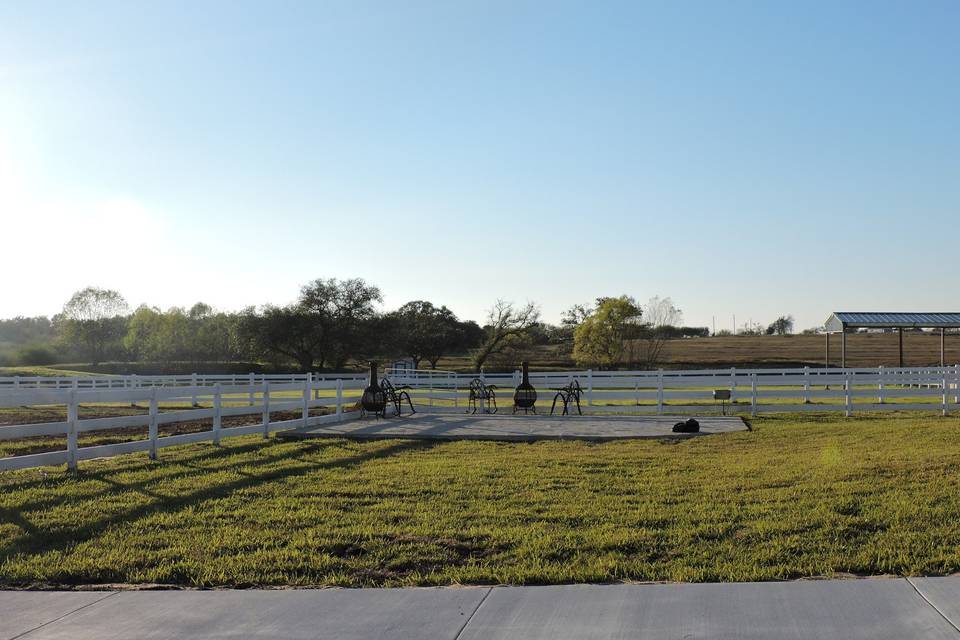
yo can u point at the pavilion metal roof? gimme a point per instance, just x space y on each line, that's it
891 320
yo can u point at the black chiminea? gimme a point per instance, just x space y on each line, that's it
525 396
374 399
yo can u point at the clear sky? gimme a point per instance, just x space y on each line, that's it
748 158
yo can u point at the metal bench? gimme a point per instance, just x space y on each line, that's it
568 394
397 395
482 396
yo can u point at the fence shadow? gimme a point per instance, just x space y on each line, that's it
37 541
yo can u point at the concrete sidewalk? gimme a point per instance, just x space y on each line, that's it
876 609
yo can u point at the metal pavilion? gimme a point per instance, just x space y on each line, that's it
841 321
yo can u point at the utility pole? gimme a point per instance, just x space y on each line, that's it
713 321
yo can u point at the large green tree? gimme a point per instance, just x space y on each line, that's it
344 312
425 332
600 339
93 322
330 323
278 333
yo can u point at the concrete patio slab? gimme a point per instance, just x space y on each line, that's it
22 611
874 609
290 614
523 428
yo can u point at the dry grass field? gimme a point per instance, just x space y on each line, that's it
863 350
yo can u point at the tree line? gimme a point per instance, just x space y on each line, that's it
336 325
333 325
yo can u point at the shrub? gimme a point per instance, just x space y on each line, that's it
36 355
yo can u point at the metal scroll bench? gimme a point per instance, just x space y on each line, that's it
482 396
568 394
397 395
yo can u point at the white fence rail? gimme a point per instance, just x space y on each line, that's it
752 391
684 391
225 400
134 381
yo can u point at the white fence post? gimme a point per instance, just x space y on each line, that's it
16 383
217 410
956 397
846 390
733 385
153 430
452 381
880 384
193 383
73 416
483 405
753 394
659 392
266 409
339 399
806 385
250 381
944 401
306 400
589 387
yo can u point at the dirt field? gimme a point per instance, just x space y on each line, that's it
863 350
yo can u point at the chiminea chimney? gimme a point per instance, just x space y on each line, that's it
374 399
525 396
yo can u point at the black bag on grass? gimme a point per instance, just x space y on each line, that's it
690 426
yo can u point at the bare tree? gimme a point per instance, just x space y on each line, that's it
505 324
575 315
658 314
781 326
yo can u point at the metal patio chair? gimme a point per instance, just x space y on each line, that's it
568 394
397 395
482 393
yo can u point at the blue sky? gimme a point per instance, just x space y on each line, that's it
744 158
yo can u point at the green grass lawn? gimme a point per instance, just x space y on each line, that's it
797 496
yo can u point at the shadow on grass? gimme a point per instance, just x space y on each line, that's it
38 541
137 463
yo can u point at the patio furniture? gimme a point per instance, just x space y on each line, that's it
525 396
568 394
374 399
397 395
482 396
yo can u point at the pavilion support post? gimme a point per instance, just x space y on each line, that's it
843 348
900 337
943 360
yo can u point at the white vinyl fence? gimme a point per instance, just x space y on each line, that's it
134 381
752 391
669 391
225 400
